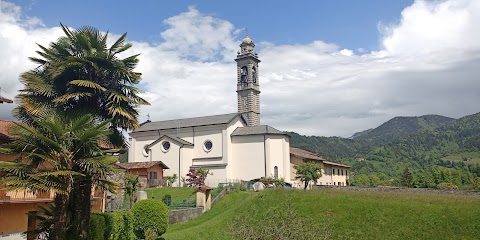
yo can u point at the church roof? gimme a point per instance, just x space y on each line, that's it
256 130
179 140
188 122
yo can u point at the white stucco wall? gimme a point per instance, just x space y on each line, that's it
277 156
249 158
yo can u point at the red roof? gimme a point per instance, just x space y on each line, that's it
305 154
2 100
136 165
309 155
336 164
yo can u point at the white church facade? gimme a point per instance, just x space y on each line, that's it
232 146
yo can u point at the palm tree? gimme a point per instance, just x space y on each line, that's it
48 154
79 74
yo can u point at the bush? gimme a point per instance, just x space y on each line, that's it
238 186
167 199
108 225
122 228
150 234
447 186
97 227
150 213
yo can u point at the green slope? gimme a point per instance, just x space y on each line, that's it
344 215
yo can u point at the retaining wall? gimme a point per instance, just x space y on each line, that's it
182 215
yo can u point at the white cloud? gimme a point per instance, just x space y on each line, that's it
427 63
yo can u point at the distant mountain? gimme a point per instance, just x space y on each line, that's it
401 127
359 134
331 147
414 142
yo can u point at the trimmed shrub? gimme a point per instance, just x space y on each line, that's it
122 227
149 214
167 199
447 186
97 227
108 225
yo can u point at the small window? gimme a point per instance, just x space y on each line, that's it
145 150
333 171
334 184
275 172
207 146
153 175
342 172
346 172
166 146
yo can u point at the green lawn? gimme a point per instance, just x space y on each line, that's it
473 157
346 214
175 192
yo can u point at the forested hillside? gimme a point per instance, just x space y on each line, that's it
425 145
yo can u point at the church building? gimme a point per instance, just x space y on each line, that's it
233 146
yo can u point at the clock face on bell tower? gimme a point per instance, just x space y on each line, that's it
248 84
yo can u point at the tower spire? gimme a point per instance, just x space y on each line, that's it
248 85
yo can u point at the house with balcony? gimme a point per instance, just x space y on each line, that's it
15 206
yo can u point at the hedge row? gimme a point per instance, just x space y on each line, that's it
112 226
147 216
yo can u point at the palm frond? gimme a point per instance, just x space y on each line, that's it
88 84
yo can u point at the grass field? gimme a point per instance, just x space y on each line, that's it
175 192
473 157
345 214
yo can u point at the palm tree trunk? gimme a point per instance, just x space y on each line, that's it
81 205
61 214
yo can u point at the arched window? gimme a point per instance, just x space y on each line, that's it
275 172
243 74
254 74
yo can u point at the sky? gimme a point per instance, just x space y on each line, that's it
329 68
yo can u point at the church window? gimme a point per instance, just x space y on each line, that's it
207 146
243 74
145 151
275 172
254 74
165 146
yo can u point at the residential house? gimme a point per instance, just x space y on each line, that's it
15 205
333 174
150 173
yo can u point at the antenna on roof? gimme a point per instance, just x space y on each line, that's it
178 128
148 116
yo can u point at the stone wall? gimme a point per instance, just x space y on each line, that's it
182 215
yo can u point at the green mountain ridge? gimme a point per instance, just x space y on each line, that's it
400 127
418 143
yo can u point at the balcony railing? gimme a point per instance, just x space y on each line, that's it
156 182
25 196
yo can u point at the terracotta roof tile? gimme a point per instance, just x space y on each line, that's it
6 100
135 165
305 154
336 164
309 155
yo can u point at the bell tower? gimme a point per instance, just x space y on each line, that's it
248 85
